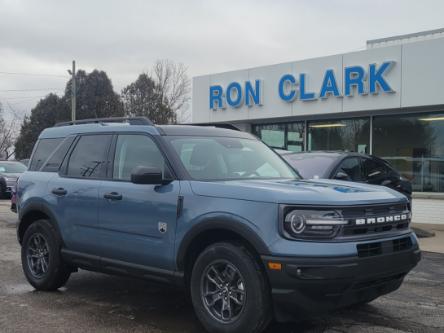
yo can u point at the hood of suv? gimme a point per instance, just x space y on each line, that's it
307 192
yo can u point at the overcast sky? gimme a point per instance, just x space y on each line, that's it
124 38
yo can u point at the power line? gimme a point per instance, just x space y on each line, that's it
34 74
42 89
21 97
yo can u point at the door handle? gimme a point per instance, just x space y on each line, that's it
113 196
60 191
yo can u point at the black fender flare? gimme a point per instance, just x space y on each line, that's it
226 223
35 207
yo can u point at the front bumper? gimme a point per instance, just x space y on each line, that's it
306 286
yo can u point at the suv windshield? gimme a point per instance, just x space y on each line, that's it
12 167
221 158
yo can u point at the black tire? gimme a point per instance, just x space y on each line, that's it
3 194
255 313
57 272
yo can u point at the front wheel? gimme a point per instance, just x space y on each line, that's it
41 259
229 290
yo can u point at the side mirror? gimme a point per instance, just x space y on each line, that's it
147 175
340 175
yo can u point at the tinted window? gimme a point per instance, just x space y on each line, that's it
375 171
56 158
310 166
352 168
44 148
88 159
133 151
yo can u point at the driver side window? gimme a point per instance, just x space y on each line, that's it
133 151
352 168
374 171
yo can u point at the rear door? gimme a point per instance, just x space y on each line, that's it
74 192
138 221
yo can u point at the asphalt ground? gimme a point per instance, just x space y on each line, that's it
93 302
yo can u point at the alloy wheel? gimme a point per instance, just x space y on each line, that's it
37 255
223 291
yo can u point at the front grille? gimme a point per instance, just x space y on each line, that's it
378 248
369 250
375 212
402 244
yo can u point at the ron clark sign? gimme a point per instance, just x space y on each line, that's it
357 80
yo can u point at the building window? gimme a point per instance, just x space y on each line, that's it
347 134
414 145
283 136
295 136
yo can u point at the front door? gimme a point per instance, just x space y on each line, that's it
137 221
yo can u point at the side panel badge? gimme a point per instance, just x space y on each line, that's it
162 226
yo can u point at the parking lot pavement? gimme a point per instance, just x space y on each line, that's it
93 302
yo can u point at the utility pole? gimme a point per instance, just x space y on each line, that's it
73 90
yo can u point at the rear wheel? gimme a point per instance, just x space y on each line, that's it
229 290
3 194
41 259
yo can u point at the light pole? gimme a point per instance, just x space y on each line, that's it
73 90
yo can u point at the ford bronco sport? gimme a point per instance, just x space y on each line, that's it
214 210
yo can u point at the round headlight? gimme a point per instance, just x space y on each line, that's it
297 222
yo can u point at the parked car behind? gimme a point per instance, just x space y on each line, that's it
14 198
9 173
348 166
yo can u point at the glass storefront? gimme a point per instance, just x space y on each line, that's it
349 134
413 144
282 136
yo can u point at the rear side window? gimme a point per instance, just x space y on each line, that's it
56 158
88 158
44 149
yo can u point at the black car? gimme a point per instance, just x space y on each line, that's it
9 173
350 166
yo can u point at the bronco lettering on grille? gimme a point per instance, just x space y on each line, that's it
382 219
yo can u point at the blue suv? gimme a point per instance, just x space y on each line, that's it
213 210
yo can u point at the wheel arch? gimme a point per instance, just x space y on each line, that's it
31 214
212 231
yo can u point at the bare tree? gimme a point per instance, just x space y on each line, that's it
173 86
8 133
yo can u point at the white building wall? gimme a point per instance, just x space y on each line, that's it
428 211
417 79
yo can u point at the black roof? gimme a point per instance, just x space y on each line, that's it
328 153
191 130
336 153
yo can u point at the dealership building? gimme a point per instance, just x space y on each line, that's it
387 100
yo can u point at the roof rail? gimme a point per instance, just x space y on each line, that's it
219 125
129 120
